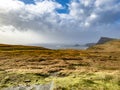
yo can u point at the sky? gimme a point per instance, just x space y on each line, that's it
58 21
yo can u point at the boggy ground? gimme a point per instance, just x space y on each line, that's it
97 68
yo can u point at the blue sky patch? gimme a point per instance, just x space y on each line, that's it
28 1
64 3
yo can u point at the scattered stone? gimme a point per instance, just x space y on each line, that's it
48 86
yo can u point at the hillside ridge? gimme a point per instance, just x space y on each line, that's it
103 40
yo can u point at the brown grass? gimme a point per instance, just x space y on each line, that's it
43 60
61 63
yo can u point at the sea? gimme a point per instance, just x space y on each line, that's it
62 46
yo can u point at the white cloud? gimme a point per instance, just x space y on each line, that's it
87 3
101 3
43 7
10 5
81 23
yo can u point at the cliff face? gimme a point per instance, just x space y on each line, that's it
103 40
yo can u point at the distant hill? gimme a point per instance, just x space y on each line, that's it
90 44
20 47
110 45
103 40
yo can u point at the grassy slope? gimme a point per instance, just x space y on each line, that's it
97 68
110 46
6 47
